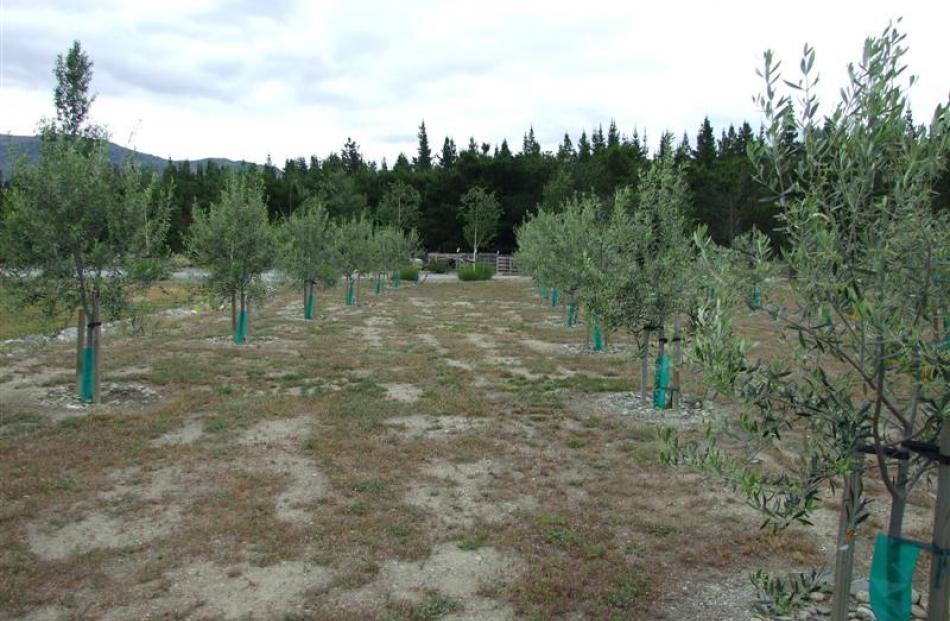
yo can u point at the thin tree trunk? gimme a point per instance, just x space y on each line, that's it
80 344
96 352
939 607
233 312
247 316
844 552
645 392
677 361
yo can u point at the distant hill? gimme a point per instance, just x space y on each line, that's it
12 147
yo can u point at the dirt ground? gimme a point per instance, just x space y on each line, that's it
443 451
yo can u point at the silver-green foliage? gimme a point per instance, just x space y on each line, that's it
870 262
355 248
308 253
74 227
233 239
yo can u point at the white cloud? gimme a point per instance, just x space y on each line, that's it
242 79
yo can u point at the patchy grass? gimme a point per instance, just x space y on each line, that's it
287 452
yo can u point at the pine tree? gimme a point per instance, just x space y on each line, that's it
449 153
613 136
566 153
530 146
583 148
423 161
705 152
597 140
351 156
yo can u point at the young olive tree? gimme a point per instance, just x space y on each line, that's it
662 258
606 266
868 360
76 233
393 248
480 213
355 253
535 254
235 242
308 254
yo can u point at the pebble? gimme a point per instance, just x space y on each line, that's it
918 612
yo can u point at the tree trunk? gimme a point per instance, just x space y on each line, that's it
233 312
939 607
844 552
677 361
80 345
245 303
96 349
645 366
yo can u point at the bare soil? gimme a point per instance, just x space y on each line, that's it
437 452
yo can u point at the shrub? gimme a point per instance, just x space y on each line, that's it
409 273
476 271
439 267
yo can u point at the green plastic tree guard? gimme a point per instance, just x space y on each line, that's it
555 297
350 294
240 332
661 384
892 571
544 292
598 334
311 305
397 279
755 300
379 284
571 314
87 379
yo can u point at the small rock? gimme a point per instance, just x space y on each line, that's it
817 596
865 613
824 611
863 597
914 596
918 612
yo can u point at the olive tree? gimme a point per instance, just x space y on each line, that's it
308 254
77 231
235 242
353 243
868 362
661 257
393 247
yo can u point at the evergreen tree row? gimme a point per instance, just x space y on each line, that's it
425 191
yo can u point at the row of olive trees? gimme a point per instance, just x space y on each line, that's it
863 322
235 242
629 264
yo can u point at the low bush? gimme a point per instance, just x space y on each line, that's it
476 271
439 267
409 273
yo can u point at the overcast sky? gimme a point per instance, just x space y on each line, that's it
244 78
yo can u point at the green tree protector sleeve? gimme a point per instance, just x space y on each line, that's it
555 296
662 382
311 305
892 570
87 378
240 332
